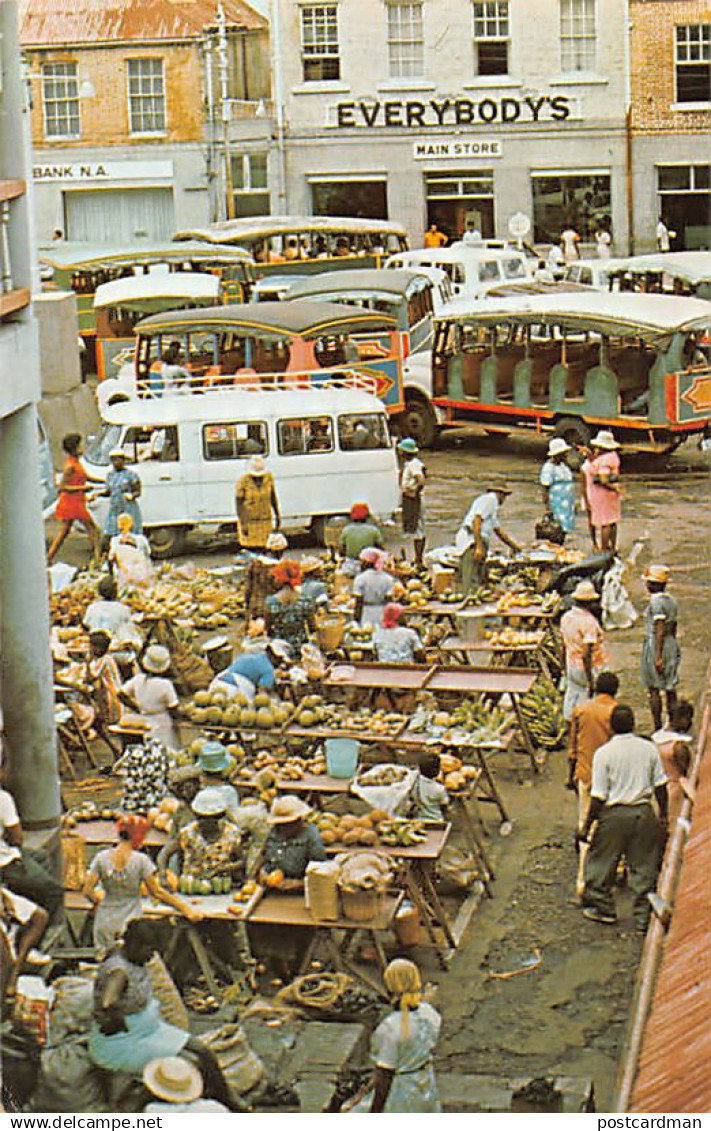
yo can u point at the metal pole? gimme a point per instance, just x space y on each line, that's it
223 60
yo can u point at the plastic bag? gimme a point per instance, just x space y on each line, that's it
617 609
69 1081
393 798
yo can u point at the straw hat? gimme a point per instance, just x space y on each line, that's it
658 573
174 1079
156 659
209 802
213 758
257 466
286 809
499 487
558 446
130 724
604 440
215 644
585 591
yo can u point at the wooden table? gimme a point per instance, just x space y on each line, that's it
100 832
337 936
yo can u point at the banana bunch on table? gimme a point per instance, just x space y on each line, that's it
542 711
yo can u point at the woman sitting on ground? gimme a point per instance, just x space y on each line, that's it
287 615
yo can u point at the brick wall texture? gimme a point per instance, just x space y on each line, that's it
652 65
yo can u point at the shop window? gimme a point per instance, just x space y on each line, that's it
146 96
249 184
319 42
60 98
366 199
491 37
683 178
693 62
363 432
305 437
457 199
405 39
581 200
577 35
238 440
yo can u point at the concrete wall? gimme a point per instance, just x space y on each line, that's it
60 365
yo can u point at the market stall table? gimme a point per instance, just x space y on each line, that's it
289 910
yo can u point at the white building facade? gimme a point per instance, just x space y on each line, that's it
454 112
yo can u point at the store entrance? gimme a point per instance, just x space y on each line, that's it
688 215
455 200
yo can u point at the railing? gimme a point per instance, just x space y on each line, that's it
307 380
12 297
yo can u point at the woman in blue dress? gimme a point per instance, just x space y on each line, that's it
402 1048
123 486
660 650
558 483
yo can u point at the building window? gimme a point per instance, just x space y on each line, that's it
693 63
319 42
367 199
60 96
249 184
579 200
405 40
491 37
685 204
146 96
577 35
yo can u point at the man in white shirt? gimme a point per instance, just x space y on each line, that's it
627 773
412 484
481 522
664 236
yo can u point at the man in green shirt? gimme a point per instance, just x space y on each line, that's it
360 534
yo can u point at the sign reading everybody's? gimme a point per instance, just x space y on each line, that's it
413 113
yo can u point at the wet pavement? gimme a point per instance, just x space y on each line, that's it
566 1011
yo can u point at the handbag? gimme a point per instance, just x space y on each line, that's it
548 529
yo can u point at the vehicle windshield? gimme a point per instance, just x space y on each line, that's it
514 269
99 446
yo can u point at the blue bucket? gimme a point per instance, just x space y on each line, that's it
342 757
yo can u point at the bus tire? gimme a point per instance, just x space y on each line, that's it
418 421
166 541
574 431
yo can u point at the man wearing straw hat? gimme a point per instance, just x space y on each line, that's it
584 647
257 506
660 649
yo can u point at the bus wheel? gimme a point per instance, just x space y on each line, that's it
418 421
573 431
166 541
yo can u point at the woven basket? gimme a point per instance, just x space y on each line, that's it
331 631
360 904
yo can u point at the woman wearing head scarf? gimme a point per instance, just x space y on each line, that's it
601 490
256 502
660 649
123 486
130 556
372 588
151 694
71 506
120 871
287 614
394 642
402 1048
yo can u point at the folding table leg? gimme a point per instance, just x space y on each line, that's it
420 903
493 794
422 872
474 841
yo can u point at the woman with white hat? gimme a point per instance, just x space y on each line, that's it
601 491
152 695
257 506
558 485
660 650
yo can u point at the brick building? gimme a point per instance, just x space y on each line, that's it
127 114
670 72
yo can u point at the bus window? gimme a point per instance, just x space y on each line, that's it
363 431
514 269
489 271
305 437
237 440
151 444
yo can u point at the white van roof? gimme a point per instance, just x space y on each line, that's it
235 404
434 255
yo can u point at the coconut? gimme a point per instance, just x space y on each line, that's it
265 718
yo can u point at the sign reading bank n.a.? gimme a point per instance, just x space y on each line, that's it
99 171
432 148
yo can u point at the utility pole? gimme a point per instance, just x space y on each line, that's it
275 38
225 115
212 170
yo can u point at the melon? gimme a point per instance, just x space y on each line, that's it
195 747
231 716
261 699
199 714
265 718
307 718
248 717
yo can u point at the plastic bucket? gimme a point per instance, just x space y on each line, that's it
342 757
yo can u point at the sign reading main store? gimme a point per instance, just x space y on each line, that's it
105 171
433 147
413 113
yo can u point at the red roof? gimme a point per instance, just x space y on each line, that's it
50 22
673 1070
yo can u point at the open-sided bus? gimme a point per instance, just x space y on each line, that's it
306 244
576 362
277 344
675 272
82 268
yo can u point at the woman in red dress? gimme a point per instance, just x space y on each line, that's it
71 506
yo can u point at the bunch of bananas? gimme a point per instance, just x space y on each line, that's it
542 710
402 833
